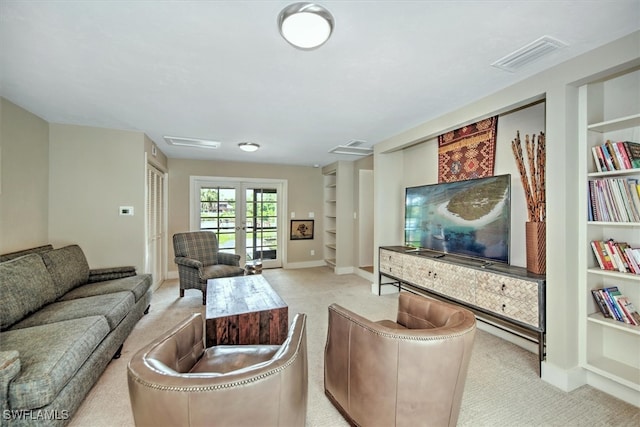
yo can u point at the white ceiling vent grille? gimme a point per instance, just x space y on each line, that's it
353 147
192 142
529 53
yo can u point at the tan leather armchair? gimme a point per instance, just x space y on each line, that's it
176 381
410 372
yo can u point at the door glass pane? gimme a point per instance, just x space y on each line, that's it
218 214
261 223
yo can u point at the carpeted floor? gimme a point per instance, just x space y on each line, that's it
503 388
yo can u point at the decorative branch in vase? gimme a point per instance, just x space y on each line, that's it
533 179
533 183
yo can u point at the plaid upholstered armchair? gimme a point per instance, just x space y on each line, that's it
199 260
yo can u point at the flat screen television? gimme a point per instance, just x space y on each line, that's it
470 218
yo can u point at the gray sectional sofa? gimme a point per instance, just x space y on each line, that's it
60 325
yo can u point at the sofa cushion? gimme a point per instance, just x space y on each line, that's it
46 368
68 267
17 254
114 307
25 286
139 285
220 270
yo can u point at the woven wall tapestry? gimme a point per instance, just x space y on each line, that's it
468 152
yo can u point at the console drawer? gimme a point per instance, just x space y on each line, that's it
516 309
455 282
420 271
391 263
511 287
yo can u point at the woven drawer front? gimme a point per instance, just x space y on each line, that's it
391 263
420 271
520 310
455 282
511 287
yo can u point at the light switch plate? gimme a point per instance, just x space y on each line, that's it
126 210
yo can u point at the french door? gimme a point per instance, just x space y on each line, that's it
245 215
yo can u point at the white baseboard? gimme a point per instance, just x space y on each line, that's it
343 270
364 274
564 379
305 264
571 379
613 388
172 275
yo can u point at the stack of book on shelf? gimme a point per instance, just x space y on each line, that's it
615 156
614 200
616 306
616 256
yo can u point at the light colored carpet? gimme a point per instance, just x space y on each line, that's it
503 388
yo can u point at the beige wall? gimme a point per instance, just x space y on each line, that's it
304 196
559 87
93 172
24 179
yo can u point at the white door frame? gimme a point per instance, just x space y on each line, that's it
194 200
164 225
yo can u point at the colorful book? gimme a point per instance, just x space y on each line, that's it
612 152
632 184
593 202
597 251
618 247
609 247
607 158
613 292
623 155
635 266
602 305
633 151
635 253
607 299
598 160
630 310
608 262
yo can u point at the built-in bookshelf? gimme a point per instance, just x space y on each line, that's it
330 212
338 216
609 114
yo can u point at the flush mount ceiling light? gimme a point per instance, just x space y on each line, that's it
305 25
248 146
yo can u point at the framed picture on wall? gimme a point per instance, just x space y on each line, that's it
301 229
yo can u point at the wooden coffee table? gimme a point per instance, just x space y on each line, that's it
244 310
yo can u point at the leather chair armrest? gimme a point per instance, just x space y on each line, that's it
361 367
188 262
228 259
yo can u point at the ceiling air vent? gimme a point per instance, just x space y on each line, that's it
352 148
529 53
191 142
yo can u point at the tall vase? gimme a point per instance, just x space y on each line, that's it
536 237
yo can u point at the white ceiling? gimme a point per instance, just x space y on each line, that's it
220 70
